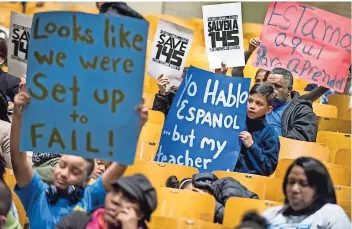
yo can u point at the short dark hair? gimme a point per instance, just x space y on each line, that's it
265 89
172 182
91 165
318 177
254 221
5 199
263 70
288 78
119 8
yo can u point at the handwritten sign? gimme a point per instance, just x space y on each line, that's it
313 44
20 28
171 46
85 76
223 34
206 116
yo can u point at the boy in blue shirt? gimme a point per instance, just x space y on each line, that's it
260 142
46 205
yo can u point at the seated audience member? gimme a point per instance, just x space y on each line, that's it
163 99
260 142
185 184
9 84
128 205
99 168
292 116
251 220
5 130
253 44
47 204
222 189
261 75
310 199
7 219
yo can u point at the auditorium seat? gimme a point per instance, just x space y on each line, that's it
254 183
342 102
31 7
251 30
159 222
334 141
340 175
148 141
343 196
273 189
236 207
292 149
10 180
343 157
156 117
148 100
158 172
299 84
334 125
323 110
85 9
179 203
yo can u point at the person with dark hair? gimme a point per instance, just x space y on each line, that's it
260 143
5 203
251 220
310 200
9 84
261 75
292 116
47 204
5 131
128 205
186 183
118 9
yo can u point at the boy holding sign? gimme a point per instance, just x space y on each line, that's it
44 204
260 142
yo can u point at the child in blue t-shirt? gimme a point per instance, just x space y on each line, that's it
45 205
260 142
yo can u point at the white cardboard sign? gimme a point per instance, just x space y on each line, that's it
170 50
223 35
20 28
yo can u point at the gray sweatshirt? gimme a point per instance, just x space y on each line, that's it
330 216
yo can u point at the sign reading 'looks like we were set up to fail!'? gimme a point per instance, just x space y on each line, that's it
85 77
202 126
315 45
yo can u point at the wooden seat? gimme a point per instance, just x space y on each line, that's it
254 183
343 196
156 117
292 149
343 157
326 111
179 203
158 172
236 207
10 180
340 175
334 141
342 102
334 125
158 222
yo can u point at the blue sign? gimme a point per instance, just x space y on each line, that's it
202 126
85 76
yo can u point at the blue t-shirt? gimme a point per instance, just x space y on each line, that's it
43 215
274 117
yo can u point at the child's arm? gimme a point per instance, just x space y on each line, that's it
21 168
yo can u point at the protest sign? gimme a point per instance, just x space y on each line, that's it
4 33
313 44
224 35
85 77
202 126
170 49
18 41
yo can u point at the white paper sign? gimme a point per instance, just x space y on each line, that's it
170 49
4 33
20 28
223 35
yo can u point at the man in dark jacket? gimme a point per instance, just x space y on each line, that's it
292 116
9 84
222 190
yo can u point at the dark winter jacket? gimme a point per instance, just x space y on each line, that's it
262 157
222 190
9 84
80 220
299 122
163 103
